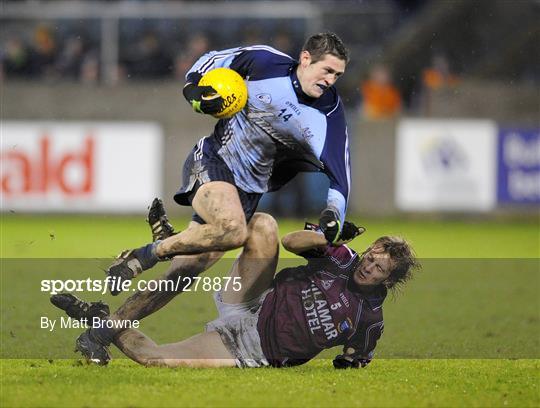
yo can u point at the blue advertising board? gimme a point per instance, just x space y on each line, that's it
518 166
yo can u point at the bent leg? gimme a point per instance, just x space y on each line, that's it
144 303
218 204
255 269
256 265
201 350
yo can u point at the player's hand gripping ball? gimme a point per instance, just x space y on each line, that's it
230 86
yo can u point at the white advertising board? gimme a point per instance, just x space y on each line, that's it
446 165
80 166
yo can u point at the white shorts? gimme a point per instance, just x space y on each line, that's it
237 326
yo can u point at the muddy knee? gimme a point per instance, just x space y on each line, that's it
233 234
263 224
263 233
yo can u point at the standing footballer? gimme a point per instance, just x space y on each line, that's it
293 121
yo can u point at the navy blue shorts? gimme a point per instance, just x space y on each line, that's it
203 165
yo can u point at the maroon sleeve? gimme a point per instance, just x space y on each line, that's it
340 255
363 342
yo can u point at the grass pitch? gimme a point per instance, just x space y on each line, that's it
464 332
480 383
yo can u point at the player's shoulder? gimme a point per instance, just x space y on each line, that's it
342 256
329 103
266 53
263 62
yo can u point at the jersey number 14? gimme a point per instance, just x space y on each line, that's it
282 115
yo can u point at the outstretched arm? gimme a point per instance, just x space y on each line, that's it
312 238
335 157
302 241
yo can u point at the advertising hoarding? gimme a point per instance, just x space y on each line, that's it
80 166
518 173
446 165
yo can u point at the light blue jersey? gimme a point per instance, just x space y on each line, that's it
281 130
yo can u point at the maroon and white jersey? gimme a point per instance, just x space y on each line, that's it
318 306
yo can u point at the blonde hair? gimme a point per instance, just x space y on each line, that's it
403 258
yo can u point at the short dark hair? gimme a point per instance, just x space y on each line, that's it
321 44
403 257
